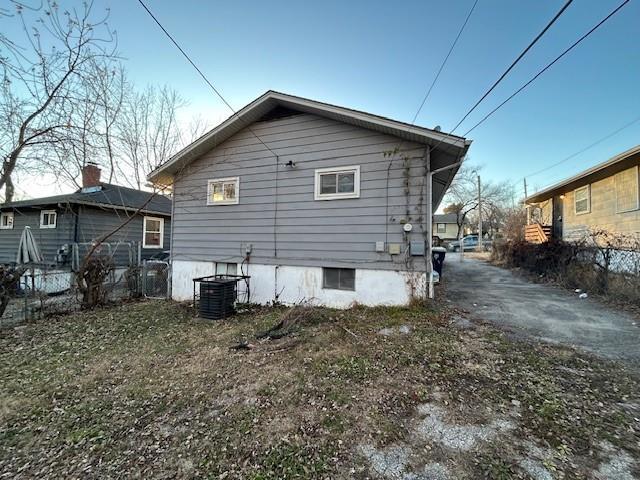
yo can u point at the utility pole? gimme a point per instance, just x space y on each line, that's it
526 206
479 215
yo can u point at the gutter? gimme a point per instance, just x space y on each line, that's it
88 204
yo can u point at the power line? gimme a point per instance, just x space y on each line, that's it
549 65
515 62
573 155
453 45
424 100
204 77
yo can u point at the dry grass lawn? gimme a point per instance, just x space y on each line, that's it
146 390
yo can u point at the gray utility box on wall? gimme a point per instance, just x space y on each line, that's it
417 248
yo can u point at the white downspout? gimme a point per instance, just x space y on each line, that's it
430 175
429 221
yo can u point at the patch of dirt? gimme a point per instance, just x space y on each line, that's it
146 391
618 465
435 428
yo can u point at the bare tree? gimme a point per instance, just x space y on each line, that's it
42 80
149 132
126 132
462 198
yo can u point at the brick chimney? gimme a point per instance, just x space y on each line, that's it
90 175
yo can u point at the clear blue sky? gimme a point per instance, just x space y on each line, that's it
381 56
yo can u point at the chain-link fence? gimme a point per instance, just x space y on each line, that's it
35 291
155 278
600 262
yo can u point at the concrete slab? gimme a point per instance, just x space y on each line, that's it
543 311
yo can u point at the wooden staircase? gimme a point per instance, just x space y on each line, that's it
537 233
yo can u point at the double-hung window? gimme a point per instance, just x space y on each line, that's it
153 232
441 228
582 200
6 221
223 191
336 183
48 218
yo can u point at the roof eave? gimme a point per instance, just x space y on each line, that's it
607 168
108 206
164 173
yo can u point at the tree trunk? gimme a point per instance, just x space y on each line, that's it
9 190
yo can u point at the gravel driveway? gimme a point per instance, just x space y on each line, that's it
545 312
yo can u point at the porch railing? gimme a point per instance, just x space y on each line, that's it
537 233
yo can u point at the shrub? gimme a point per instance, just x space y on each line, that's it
600 262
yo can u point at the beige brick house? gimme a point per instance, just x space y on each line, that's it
604 197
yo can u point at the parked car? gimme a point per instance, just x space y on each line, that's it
470 242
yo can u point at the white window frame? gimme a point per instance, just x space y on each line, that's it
444 230
615 185
48 212
210 183
144 232
337 196
4 215
575 200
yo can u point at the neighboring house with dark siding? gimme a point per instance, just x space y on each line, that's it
313 201
88 214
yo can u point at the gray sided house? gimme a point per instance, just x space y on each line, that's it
315 202
445 227
57 222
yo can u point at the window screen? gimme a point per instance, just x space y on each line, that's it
627 190
153 232
48 219
226 268
338 182
223 191
6 220
339 278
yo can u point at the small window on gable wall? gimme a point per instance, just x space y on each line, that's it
6 220
336 183
223 191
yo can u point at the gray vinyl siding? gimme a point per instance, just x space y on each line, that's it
299 230
94 223
49 239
